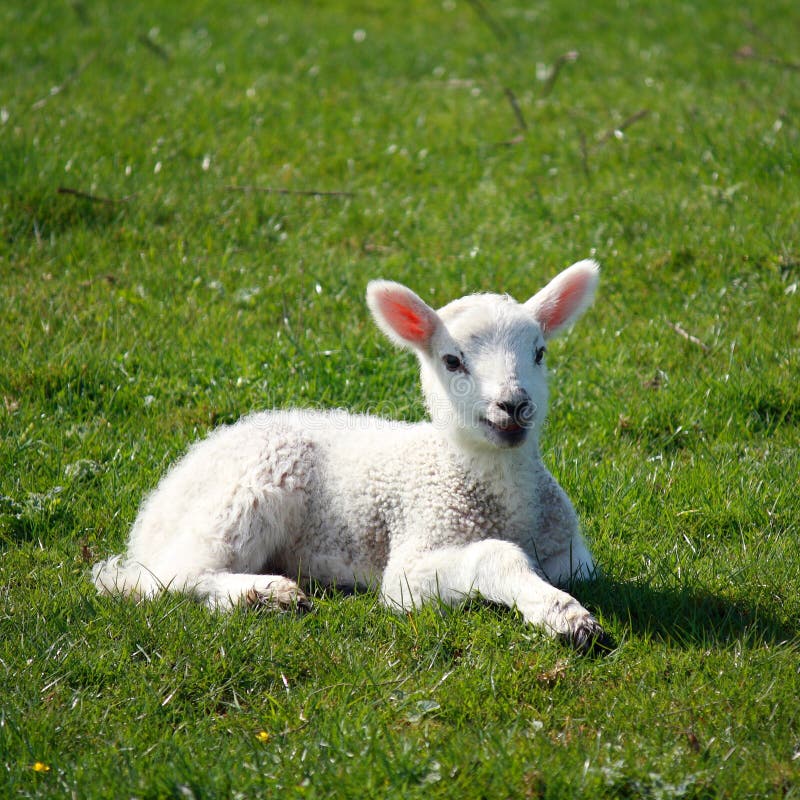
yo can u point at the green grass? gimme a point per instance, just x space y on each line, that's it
132 327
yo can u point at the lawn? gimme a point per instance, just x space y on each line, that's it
192 199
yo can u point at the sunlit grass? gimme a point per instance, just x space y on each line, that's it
193 199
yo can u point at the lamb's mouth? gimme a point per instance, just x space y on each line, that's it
506 434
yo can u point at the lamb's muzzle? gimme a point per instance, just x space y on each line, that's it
509 421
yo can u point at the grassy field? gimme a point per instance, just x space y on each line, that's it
192 199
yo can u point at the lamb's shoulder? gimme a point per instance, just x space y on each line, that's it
552 521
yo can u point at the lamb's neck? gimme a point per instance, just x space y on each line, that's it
507 466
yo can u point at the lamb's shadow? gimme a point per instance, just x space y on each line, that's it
682 615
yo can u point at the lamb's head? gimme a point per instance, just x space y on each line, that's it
482 356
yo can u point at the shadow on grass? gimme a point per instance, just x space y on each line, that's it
684 615
679 615
40 213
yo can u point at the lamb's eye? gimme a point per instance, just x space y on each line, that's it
539 355
452 363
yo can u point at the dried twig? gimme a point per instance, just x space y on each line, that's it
512 99
518 139
551 677
87 554
747 53
626 123
71 78
483 13
92 198
564 58
300 192
615 132
756 31
688 336
154 47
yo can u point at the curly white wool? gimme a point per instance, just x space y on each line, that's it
458 506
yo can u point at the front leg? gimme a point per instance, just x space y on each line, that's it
496 570
573 563
565 556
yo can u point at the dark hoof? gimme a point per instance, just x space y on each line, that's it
291 600
303 605
589 638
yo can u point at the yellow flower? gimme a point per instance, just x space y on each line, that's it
262 737
40 767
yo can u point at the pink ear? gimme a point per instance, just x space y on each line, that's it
565 298
401 314
406 321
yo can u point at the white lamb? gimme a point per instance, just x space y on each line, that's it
456 507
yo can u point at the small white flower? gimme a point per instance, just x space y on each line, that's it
246 295
359 35
83 468
206 162
157 168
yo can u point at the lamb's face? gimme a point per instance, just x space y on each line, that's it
484 376
482 357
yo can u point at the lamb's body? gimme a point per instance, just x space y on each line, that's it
357 500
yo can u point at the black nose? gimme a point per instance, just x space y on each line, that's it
520 411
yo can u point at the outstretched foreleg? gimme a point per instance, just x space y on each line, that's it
497 571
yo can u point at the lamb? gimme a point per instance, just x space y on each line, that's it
455 507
